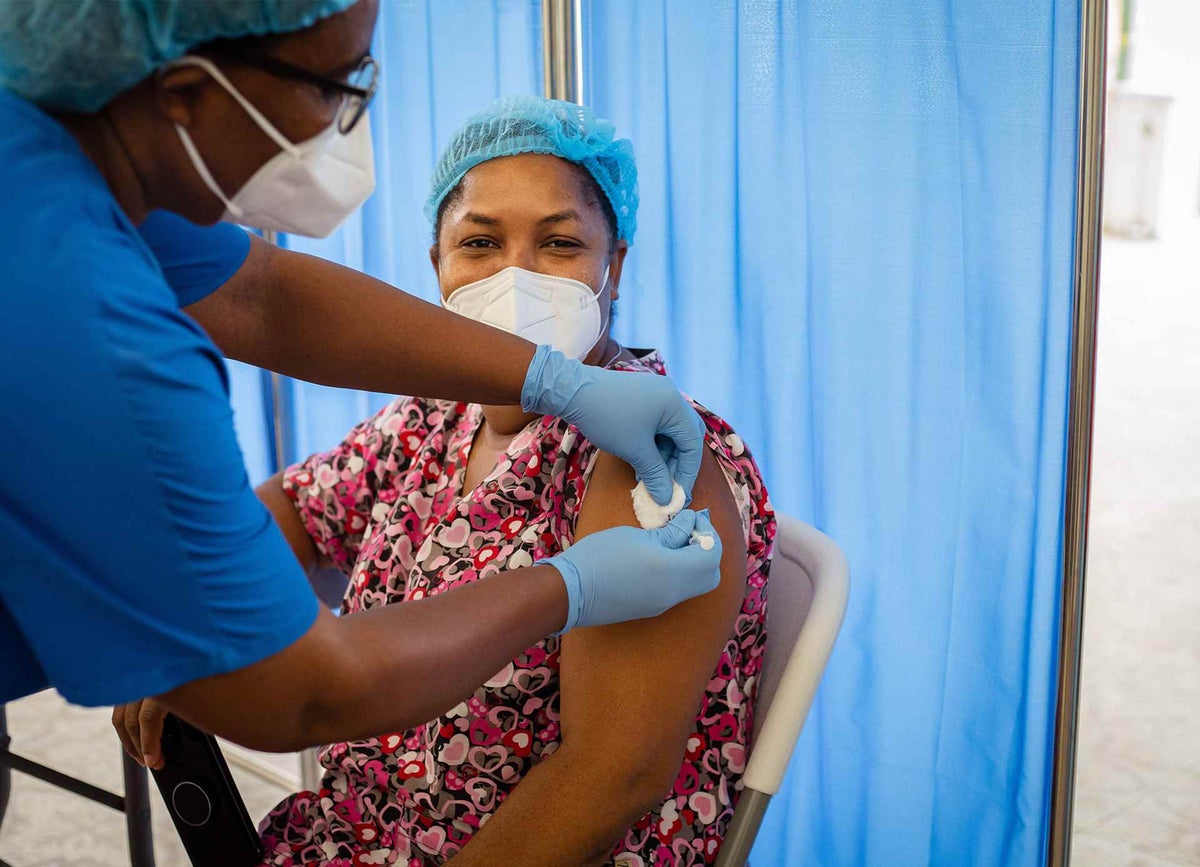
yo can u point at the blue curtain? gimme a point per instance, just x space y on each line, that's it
855 242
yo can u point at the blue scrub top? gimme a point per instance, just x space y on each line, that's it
134 555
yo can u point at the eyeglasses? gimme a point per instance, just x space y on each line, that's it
356 92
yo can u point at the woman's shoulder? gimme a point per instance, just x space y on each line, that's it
724 446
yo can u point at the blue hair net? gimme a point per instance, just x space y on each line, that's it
531 124
76 55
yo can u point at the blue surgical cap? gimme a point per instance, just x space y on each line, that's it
531 124
76 55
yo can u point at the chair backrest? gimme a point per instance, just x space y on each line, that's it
806 600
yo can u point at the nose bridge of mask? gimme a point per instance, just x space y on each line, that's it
257 116
552 283
498 298
567 300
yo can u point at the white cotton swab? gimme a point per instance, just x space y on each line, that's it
652 516
649 513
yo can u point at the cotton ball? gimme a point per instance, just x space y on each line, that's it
649 513
704 540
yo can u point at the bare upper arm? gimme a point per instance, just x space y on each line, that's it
228 315
650 675
284 512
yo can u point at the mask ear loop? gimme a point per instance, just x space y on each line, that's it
257 116
605 322
205 175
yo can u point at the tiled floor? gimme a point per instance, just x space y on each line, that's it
1138 790
1138 785
46 827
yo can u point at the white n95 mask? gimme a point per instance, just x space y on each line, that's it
307 188
542 308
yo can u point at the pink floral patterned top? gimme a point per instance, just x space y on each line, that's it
387 506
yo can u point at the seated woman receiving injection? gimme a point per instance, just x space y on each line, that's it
622 744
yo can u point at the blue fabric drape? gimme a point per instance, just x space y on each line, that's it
855 242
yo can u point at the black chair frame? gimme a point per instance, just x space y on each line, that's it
135 803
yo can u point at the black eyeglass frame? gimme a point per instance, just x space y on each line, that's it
345 120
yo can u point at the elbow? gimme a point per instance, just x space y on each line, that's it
635 790
640 785
645 787
347 709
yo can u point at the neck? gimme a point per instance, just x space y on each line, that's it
505 422
105 145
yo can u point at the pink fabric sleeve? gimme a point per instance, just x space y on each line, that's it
335 492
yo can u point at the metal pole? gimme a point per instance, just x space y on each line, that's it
562 50
1090 148
310 768
137 813
278 422
5 770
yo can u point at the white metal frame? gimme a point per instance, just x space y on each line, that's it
805 553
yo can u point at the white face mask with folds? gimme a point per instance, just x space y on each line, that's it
542 308
307 188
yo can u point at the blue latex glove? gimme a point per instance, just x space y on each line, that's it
642 419
625 573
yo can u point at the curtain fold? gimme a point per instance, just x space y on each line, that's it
855 242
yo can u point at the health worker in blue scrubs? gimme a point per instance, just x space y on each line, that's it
137 561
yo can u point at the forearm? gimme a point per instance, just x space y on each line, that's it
438 651
311 319
570 810
383 670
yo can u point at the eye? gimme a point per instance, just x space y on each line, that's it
479 243
563 244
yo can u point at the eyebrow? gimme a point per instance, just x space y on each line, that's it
557 217
475 217
347 68
562 217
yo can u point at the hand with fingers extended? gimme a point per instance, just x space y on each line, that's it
139 724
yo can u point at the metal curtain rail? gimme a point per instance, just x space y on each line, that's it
562 50
1090 150
309 770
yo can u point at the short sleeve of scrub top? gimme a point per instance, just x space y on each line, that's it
137 557
195 261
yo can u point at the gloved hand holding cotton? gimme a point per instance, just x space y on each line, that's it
624 573
76 55
652 516
649 513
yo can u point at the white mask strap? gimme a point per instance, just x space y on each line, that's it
603 324
202 170
211 68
